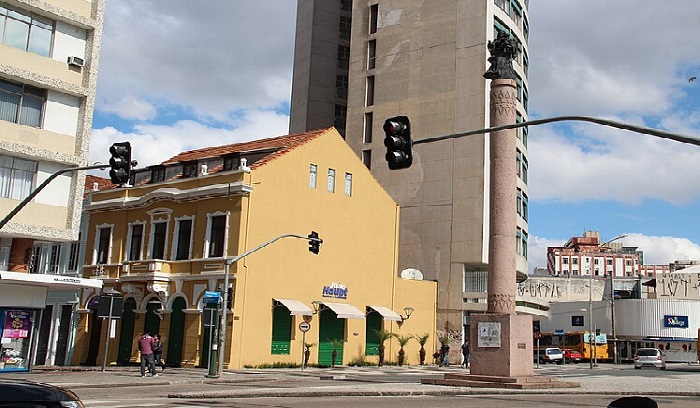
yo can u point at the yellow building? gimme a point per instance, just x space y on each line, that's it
164 242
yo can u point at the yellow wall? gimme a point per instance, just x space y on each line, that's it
360 234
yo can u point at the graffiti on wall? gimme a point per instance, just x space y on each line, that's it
540 289
678 285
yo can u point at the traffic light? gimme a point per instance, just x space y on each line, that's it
314 242
597 332
399 154
120 163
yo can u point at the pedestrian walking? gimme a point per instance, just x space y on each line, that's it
158 352
146 349
465 353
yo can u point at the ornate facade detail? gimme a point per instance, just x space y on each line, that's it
503 51
501 303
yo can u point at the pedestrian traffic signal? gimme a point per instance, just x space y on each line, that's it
120 163
597 332
314 242
399 154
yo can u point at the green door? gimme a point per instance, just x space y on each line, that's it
330 327
372 325
281 330
126 334
176 335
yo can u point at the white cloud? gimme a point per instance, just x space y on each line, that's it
129 107
153 144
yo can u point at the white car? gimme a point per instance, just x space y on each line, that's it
550 355
649 357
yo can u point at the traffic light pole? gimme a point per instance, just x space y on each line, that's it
619 125
41 187
221 347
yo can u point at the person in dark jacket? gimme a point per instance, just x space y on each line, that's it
158 352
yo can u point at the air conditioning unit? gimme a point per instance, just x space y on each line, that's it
76 61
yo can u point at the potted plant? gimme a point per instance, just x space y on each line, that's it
382 336
336 344
307 352
422 339
403 340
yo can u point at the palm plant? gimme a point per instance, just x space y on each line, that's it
382 336
336 344
422 340
403 340
307 352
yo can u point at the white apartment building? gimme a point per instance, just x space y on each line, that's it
49 54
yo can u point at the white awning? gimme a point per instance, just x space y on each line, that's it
387 313
344 310
296 307
49 281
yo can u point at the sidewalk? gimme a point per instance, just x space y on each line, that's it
678 379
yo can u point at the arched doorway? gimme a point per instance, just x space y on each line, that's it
126 335
95 329
176 335
151 322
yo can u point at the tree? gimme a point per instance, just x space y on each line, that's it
422 339
336 344
382 336
403 340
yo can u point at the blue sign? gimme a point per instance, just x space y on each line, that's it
676 321
559 332
211 297
335 290
577 320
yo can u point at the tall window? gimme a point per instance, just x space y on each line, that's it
158 174
55 259
217 235
331 180
341 86
373 16
26 31
135 242
158 249
369 96
189 169
104 235
312 175
73 255
183 236
343 56
345 26
367 158
231 162
348 184
367 134
16 177
21 104
341 113
371 54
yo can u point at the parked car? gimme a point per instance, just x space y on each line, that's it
572 356
649 357
550 355
21 393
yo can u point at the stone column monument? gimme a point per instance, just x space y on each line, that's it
501 341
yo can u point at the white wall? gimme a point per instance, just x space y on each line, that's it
57 191
61 114
69 41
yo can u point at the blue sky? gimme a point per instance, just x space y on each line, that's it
165 85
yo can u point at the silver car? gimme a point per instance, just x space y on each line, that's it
649 357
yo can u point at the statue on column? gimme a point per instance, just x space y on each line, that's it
503 51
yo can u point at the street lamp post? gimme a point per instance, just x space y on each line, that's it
612 303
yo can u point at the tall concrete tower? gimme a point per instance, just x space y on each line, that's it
425 60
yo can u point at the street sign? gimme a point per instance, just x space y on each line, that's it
559 332
304 326
537 335
211 297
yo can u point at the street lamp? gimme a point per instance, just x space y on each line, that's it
612 307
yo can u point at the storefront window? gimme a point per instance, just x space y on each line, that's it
15 340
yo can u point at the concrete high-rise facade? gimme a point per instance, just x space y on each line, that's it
48 74
426 60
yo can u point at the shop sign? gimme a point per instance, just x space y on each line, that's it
17 324
676 321
211 297
335 290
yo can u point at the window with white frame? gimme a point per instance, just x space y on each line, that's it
216 235
54 264
158 238
313 169
73 256
182 244
25 30
331 180
348 184
16 177
103 244
367 133
135 241
22 104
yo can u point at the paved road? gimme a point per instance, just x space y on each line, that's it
365 386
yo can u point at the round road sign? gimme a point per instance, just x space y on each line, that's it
304 326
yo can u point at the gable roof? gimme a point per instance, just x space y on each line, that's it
281 145
94 181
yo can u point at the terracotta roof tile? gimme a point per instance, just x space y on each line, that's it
102 184
283 143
